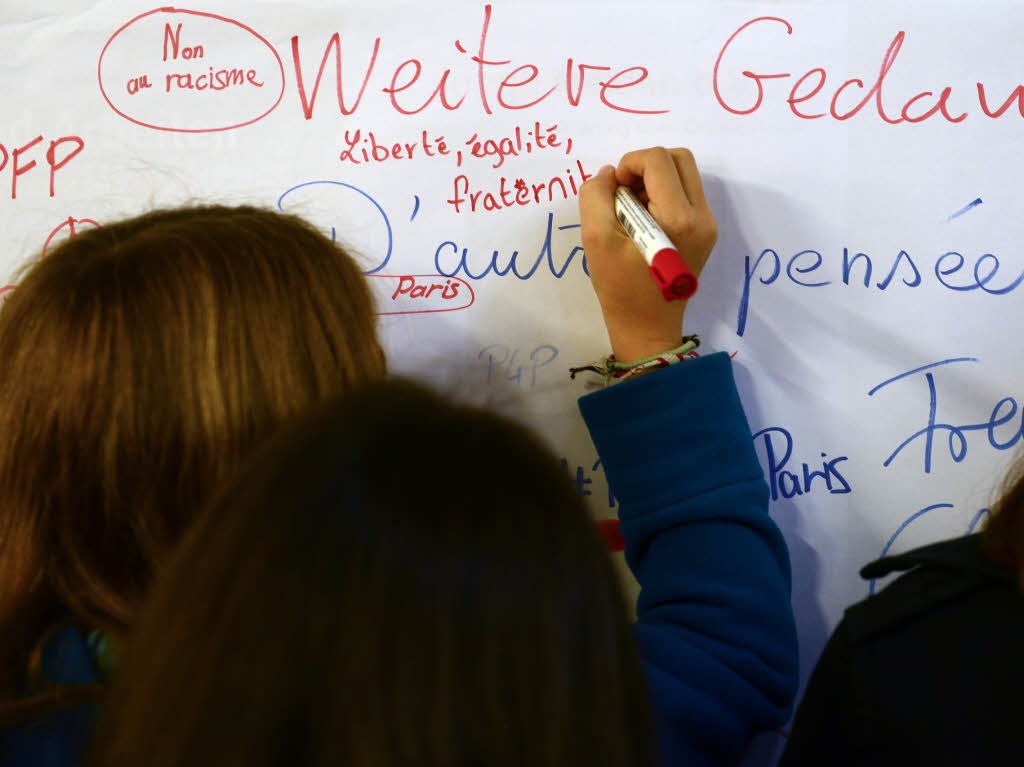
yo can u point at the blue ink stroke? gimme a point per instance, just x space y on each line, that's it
965 208
918 370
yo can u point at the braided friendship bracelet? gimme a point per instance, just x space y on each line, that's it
612 369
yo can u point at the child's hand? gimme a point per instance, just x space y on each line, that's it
639 320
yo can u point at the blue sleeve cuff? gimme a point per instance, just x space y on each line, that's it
686 418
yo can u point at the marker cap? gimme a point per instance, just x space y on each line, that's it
674 277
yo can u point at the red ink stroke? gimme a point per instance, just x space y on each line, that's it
610 534
855 92
524 87
70 223
200 14
421 293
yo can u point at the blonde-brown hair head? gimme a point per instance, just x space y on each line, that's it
142 362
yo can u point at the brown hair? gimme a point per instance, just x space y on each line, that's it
1004 531
396 581
142 361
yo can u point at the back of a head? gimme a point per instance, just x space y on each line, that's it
142 362
399 580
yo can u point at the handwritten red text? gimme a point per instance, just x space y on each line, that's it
22 158
420 293
521 86
850 96
511 192
178 70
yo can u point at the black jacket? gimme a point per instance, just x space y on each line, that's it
930 671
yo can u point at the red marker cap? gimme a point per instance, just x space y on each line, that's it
676 280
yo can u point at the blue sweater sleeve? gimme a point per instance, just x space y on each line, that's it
60 738
714 621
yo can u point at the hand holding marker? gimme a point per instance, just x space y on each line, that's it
640 322
671 274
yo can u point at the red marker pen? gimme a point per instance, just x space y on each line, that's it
675 279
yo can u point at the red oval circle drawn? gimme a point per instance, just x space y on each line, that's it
99 74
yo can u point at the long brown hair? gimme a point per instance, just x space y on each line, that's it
142 362
397 581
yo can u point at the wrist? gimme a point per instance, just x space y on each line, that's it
629 349
613 369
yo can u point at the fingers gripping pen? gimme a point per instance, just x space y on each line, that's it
674 278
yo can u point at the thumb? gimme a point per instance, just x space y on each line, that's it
598 223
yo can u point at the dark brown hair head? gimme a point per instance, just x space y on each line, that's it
142 362
397 581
